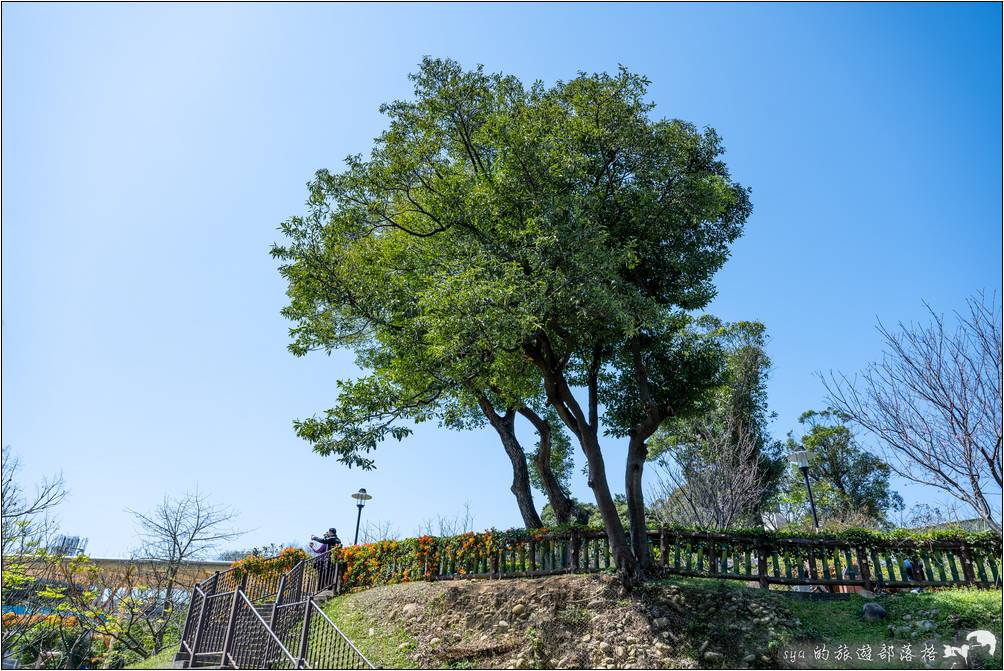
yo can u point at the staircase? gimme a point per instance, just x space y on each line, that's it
236 621
264 611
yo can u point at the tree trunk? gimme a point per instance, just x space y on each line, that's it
158 634
560 502
559 395
504 425
624 560
637 454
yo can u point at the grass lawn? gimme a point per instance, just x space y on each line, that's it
161 661
815 624
389 645
950 611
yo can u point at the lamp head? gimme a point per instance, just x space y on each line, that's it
800 458
361 497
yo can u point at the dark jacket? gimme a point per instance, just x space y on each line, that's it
331 542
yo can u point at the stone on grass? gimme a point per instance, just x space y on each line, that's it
873 612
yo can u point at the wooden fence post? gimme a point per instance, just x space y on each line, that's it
662 547
811 552
761 567
967 564
533 555
866 574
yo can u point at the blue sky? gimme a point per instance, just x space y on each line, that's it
150 152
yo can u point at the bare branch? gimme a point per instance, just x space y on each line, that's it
712 482
934 401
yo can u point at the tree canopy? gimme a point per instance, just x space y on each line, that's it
517 242
849 484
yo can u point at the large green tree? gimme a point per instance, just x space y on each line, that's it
541 243
849 484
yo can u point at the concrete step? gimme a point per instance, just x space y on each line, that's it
265 610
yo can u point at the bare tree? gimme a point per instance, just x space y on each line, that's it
449 526
711 482
26 527
179 530
934 401
379 531
26 519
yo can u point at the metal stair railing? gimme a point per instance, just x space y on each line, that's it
251 643
225 628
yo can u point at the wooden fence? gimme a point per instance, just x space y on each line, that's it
872 565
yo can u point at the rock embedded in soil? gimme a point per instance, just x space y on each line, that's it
873 612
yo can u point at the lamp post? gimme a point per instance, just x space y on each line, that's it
801 459
361 498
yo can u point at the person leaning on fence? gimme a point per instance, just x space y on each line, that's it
325 568
913 571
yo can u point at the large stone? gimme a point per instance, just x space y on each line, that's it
873 612
518 610
927 625
713 657
411 609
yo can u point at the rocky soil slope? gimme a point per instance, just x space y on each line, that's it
565 622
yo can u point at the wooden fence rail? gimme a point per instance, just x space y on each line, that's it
789 561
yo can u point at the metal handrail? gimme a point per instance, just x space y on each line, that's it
296 663
345 638
211 630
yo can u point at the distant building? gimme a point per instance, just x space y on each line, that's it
68 546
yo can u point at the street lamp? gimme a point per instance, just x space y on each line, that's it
361 498
801 459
